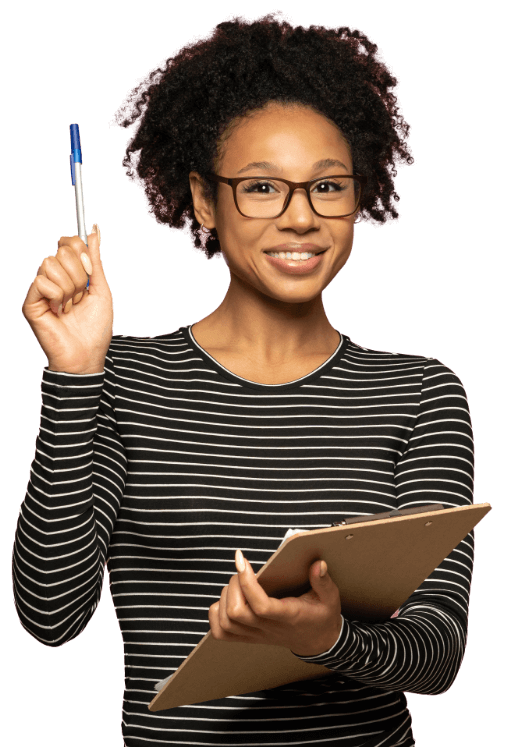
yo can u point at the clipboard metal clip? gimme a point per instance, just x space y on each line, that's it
387 514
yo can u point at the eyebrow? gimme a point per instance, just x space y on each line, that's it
268 166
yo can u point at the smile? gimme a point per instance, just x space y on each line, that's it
295 263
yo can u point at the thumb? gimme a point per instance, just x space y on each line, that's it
319 583
97 279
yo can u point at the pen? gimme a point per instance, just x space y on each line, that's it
76 179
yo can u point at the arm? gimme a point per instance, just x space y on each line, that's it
421 650
66 519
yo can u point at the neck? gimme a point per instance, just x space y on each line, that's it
266 329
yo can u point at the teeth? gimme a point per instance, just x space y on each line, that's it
292 255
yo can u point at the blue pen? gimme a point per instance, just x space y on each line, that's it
76 179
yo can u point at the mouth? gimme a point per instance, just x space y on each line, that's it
296 263
315 253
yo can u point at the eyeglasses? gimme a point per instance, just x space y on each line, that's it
266 197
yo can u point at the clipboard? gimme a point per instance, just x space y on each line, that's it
376 561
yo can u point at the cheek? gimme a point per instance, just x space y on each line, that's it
343 238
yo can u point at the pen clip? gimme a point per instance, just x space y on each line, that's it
71 161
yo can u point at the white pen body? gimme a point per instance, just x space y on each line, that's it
80 214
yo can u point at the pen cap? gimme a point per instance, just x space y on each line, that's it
76 153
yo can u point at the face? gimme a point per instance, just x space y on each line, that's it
290 140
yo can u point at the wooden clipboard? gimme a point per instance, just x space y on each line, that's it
376 561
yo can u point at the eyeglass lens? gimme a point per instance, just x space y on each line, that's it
265 198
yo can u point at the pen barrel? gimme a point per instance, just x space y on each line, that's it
76 178
80 215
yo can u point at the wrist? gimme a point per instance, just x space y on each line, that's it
92 370
327 642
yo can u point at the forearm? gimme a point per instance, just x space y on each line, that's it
420 651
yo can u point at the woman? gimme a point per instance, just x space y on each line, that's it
163 456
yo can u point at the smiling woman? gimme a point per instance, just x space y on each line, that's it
270 142
299 104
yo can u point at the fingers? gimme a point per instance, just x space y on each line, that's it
231 618
75 242
79 247
234 606
66 273
234 602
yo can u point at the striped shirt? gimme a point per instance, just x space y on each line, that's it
166 462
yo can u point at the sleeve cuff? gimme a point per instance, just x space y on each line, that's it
335 652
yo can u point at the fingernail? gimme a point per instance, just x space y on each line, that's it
78 297
322 570
240 561
68 305
95 228
87 266
59 310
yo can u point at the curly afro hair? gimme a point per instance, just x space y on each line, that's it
187 109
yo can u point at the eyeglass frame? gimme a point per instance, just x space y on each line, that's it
233 183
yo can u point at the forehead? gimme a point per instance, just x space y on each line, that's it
292 137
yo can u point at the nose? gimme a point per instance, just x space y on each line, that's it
298 207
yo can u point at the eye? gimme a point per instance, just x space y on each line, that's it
249 187
338 187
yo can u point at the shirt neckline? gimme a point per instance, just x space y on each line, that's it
296 383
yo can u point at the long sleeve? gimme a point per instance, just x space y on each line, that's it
421 650
76 484
161 466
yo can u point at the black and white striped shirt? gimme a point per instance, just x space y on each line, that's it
166 462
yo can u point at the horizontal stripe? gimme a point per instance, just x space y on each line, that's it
163 464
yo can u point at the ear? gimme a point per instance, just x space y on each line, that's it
202 205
